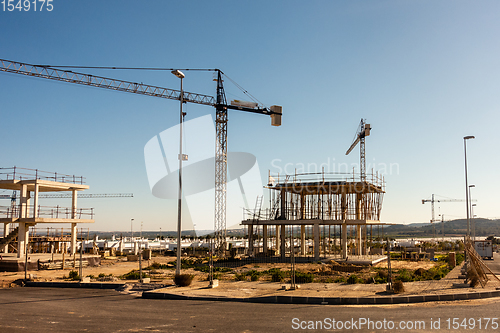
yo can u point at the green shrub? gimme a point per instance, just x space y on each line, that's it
240 277
304 277
419 272
73 275
206 269
340 280
459 257
381 276
437 273
132 275
183 280
353 279
254 276
278 276
405 275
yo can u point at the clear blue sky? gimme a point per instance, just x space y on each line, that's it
423 73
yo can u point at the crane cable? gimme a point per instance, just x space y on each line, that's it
253 98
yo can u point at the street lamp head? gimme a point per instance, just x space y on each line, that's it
472 185
469 137
178 73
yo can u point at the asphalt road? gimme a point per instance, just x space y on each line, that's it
80 310
494 264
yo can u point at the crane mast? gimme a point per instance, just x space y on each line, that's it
219 102
362 132
220 168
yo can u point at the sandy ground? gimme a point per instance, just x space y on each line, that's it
230 288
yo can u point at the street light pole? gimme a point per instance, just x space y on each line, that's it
181 76
131 230
466 183
473 222
471 213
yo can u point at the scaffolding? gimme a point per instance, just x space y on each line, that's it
304 208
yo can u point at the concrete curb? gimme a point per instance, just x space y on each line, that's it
283 299
90 285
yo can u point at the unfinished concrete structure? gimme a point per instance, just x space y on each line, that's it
28 212
315 200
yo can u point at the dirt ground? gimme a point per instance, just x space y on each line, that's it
112 268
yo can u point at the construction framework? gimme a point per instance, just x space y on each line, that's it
29 213
312 200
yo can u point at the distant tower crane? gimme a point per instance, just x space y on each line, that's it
361 133
219 102
432 201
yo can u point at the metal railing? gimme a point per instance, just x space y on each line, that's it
29 174
55 212
322 177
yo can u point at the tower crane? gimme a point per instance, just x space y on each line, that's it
432 201
361 133
219 103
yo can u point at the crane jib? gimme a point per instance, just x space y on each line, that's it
102 82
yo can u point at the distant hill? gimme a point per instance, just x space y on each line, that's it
484 227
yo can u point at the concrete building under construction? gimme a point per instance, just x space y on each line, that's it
317 202
26 211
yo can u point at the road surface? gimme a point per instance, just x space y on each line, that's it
81 310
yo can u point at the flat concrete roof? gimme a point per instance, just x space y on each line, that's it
43 220
324 187
43 185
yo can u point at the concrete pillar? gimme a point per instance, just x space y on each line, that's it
344 240
35 201
73 225
23 202
303 240
283 241
316 241
264 238
250 239
277 240
73 238
302 206
6 231
22 239
283 204
359 240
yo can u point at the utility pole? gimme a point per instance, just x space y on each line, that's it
140 256
181 76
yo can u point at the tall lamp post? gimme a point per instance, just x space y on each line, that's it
466 183
473 222
181 76
131 230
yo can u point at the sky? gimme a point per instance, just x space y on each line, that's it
424 74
